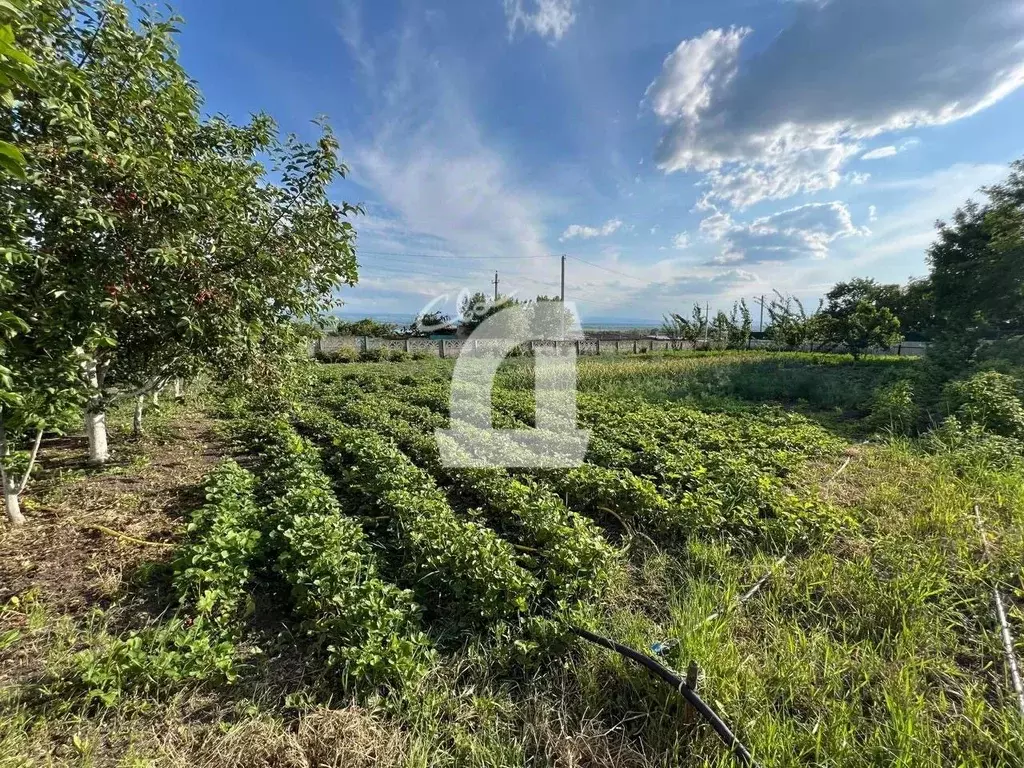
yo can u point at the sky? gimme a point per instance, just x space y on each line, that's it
676 152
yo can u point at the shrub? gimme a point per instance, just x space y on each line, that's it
893 408
339 355
380 354
989 400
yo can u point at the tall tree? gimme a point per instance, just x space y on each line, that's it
690 329
977 266
789 324
854 316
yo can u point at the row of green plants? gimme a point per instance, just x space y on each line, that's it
367 627
568 551
472 573
376 355
672 468
213 574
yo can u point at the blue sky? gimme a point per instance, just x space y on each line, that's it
676 151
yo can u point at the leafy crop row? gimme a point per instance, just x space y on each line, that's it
368 626
213 572
568 550
469 566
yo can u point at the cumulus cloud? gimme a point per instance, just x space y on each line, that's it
547 18
579 230
806 231
787 119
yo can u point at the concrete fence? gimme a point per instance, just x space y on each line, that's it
452 347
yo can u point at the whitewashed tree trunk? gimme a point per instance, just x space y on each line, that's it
156 397
140 402
11 502
179 389
95 417
10 485
96 431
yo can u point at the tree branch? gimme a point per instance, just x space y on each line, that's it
287 210
31 460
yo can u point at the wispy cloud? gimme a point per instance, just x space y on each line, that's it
806 231
427 159
547 18
610 227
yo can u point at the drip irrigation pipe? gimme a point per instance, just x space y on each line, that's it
728 738
1004 627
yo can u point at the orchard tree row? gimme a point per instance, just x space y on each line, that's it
140 241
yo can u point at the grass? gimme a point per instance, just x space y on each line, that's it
875 645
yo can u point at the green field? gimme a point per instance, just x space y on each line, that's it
342 598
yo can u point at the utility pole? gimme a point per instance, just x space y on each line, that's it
707 322
760 322
562 295
495 287
561 309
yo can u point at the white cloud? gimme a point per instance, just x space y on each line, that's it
548 18
872 213
806 231
787 119
681 241
880 153
579 230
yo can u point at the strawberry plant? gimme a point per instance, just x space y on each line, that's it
473 571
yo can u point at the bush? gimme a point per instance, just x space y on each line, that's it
893 408
422 354
989 400
380 354
339 355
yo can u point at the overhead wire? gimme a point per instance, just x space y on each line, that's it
607 269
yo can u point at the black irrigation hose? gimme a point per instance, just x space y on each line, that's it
728 737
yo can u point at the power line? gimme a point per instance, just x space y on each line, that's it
613 271
444 256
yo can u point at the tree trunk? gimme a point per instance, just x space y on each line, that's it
96 431
8 483
95 416
179 389
156 397
11 502
137 418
